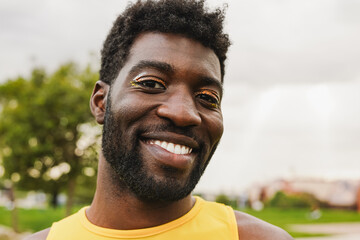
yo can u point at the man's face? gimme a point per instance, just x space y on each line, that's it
163 119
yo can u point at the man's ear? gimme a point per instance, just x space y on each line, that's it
98 101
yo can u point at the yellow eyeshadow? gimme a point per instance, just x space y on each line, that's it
134 83
140 79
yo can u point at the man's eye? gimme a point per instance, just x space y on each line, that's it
210 98
150 83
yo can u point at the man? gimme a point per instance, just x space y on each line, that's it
159 98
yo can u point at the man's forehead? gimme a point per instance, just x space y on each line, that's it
176 50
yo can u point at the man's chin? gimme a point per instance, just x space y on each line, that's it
164 183
164 189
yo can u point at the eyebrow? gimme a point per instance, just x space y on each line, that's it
161 66
209 81
169 69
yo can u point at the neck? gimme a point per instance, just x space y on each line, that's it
121 209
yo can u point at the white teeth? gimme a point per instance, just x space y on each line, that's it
184 150
171 147
163 144
177 149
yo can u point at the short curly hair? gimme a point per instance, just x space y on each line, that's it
189 18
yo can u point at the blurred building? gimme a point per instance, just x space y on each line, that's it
335 193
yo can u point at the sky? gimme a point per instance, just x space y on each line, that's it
291 106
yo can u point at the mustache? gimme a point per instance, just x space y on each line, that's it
168 127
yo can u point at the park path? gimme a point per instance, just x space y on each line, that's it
338 231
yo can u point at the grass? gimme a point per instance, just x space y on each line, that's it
33 220
37 219
284 218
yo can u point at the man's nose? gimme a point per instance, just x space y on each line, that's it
180 108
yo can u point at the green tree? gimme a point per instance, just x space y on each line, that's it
223 198
300 200
44 131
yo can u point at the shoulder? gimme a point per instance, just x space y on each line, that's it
252 228
42 235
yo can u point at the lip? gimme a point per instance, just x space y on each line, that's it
171 137
164 157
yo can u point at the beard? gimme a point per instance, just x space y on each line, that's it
121 150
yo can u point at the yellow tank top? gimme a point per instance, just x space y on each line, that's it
205 221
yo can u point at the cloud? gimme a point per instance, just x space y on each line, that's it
293 42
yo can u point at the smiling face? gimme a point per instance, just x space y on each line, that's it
163 119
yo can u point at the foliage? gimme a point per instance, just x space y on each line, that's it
285 201
43 121
223 198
